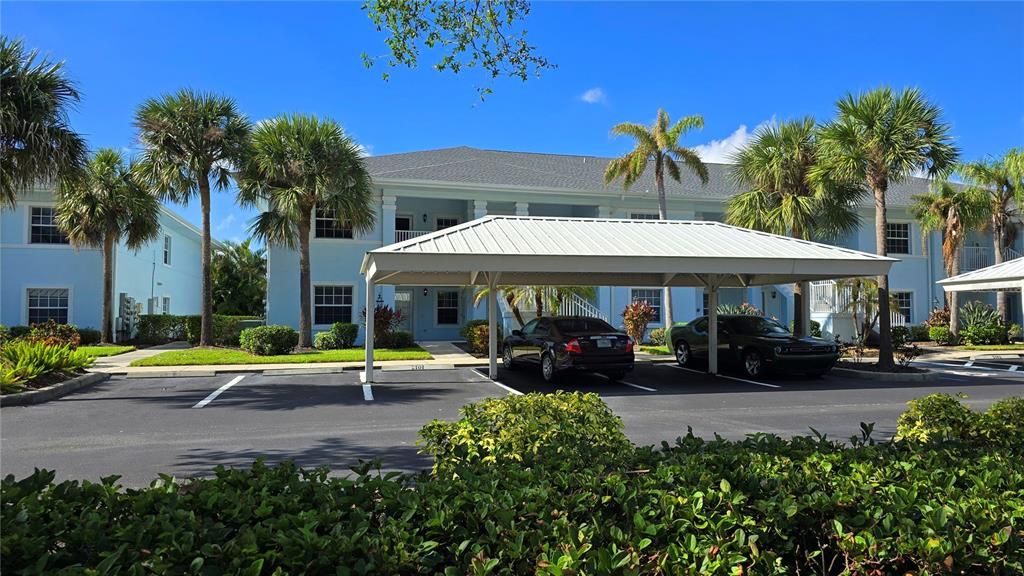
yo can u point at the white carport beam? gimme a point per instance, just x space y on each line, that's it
492 325
370 305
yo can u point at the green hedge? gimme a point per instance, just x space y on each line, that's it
269 340
163 328
551 505
477 334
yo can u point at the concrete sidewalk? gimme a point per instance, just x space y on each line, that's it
109 363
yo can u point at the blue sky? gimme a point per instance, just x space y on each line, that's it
738 64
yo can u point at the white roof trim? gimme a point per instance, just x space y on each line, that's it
1008 275
612 252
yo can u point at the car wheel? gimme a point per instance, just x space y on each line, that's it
506 358
683 356
615 376
753 363
547 367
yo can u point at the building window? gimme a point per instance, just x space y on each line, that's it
445 222
166 307
44 227
650 295
167 250
704 303
332 304
326 225
644 216
447 307
897 238
47 304
904 304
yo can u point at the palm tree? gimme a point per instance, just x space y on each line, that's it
657 144
299 164
191 140
781 197
543 297
106 204
954 211
1001 181
240 279
882 137
36 141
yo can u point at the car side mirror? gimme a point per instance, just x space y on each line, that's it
517 333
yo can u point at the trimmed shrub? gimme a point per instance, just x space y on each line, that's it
1003 423
397 339
1013 332
657 337
164 328
477 335
325 341
345 333
919 333
983 334
160 328
269 340
815 328
22 361
935 417
89 336
636 316
941 335
51 333
900 336
558 431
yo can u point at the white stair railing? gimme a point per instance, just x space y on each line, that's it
570 305
828 296
975 257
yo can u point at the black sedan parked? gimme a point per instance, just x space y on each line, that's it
754 343
569 343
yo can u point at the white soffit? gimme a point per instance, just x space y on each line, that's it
1006 276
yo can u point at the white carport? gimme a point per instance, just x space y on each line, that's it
521 250
1005 277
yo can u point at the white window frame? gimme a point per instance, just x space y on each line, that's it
644 216
909 238
437 307
355 295
167 251
410 216
165 304
439 217
28 226
24 301
661 296
313 230
909 316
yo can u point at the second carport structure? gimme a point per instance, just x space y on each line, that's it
536 251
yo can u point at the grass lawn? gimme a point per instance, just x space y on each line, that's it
663 350
213 356
1005 347
97 351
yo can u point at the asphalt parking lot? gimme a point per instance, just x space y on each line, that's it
139 427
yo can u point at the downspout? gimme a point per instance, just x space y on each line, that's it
931 273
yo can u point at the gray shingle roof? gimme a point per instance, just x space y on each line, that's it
465 165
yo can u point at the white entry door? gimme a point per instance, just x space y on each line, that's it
403 304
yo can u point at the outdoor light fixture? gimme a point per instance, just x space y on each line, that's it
424 291
424 217
380 300
773 294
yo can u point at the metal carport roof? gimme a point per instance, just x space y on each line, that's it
1008 275
529 250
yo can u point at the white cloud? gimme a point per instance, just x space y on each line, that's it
225 224
365 149
720 151
594 96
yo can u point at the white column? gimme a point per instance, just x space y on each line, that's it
370 305
522 208
387 224
713 328
492 326
479 208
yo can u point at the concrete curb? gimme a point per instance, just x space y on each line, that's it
884 376
52 392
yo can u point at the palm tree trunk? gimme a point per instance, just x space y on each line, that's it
106 329
951 299
998 237
206 320
305 322
885 361
659 177
798 312
538 302
511 301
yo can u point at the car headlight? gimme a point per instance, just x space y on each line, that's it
778 349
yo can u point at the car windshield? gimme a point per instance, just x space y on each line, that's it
758 325
576 325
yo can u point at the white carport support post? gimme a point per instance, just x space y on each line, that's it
370 305
713 327
492 326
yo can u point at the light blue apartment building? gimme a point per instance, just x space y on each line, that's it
421 192
43 277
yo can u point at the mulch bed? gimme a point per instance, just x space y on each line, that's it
49 380
873 367
464 346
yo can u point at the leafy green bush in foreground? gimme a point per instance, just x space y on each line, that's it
503 503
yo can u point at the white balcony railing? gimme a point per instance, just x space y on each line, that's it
974 257
402 235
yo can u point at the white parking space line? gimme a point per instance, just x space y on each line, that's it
367 392
639 387
508 389
765 384
219 391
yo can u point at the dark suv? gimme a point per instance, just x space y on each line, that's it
569 343
755 343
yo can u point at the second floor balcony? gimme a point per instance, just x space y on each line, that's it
402 235
975 257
